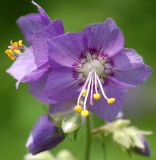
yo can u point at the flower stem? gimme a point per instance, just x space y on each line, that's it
104 151
88 138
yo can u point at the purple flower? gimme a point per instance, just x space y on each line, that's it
30 65
143 151
32 23
44 136
93 67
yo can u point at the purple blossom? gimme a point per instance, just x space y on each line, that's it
31 65
44 136
92 67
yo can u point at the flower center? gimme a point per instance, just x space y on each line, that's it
92 70
92 64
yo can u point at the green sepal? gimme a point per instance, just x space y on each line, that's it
71 122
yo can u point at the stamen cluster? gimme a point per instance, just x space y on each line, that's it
93 70
14 49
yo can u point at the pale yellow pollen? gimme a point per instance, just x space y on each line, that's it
20 43
97 96
84 93
85 113
8 51
111 100
17 51
78 108
14 49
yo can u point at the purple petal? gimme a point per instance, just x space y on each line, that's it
62 107
45 18
129 67
56 85
67 48
61 86
39 42
44 136
146 151
37 74
23 66
103 109
32 23
37 89
105 37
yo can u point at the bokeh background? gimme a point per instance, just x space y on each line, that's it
19 110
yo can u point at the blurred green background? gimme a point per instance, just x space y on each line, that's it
19 110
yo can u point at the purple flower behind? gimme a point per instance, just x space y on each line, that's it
44 136
32 23
93 67
31 65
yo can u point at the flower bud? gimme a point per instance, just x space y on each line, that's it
44 136
128 137
145 151
41 156
64 155
71 122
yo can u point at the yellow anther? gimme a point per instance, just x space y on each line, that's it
20 43
15 44
14 49
84 93
17 51
8 51
78 108
97 96
85 113
11 56
111 100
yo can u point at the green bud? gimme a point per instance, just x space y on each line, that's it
41 156
71 122
64 155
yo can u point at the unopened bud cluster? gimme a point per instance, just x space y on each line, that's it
126 136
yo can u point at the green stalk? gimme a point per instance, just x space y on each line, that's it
88 138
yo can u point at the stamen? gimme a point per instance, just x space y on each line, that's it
14 49
91 93
88 90
78 109
97 96
91 70
80 95
109 100
101 87
85 113
84 92
96 89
